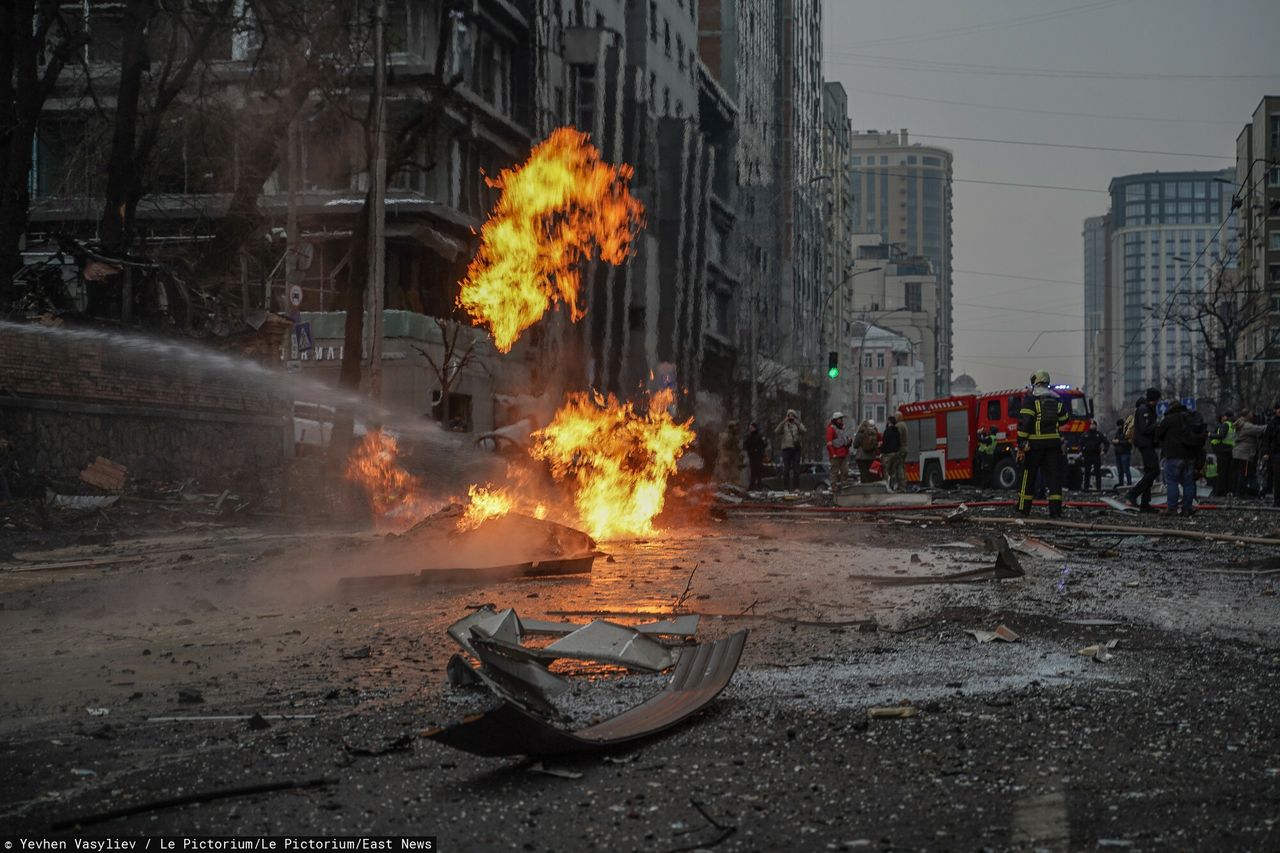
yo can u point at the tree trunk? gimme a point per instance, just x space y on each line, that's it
123 180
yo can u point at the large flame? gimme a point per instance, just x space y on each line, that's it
486 502
618 459
554 210
395 494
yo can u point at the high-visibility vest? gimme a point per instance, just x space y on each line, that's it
1229 441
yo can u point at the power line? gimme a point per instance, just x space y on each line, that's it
986 27
886 170
1019 277
1075 316
1077 147
1042 111
860 60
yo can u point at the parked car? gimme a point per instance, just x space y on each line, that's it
813 476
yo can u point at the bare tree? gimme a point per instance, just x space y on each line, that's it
38 39
1218 318
457 356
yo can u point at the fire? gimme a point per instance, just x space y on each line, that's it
486 502
394 493
618 459
558 207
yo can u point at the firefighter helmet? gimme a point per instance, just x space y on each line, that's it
1040 377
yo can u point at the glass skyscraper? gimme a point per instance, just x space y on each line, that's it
1169 235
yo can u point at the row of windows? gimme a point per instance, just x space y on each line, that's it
1169 189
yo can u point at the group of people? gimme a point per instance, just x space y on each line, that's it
876 456
1180 446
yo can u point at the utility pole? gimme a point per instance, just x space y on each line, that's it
377 202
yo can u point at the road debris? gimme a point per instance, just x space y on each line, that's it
1101 652
544 769
701 673
892 712
104 474
189 799
1001 633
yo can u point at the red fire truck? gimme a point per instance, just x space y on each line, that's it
942 435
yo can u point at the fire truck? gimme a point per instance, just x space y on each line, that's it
942 435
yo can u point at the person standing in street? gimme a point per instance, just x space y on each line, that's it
1144 440
838 450
1124 455
790 433
754 444
866 449
893 454
1271 451
1223 445
1040 443
1093 446
1244 456
729 459
1180 444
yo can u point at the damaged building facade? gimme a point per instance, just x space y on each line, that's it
252 204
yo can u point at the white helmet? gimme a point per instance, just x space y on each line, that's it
835 416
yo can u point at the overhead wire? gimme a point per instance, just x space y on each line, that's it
1039 111
900 63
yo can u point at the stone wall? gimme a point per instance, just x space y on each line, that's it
67 397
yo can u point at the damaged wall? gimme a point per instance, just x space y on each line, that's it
72 395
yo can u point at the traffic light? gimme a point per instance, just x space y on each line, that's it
833 364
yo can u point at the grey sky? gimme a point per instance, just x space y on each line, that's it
1018 231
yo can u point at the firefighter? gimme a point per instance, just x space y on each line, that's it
984 461
1223 443
1040 443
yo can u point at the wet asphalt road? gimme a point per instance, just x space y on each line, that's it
1171 744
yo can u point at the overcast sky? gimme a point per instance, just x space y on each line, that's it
1131 51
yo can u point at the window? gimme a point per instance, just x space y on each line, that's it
666 37
1015 404
653 21
993 410
867 385
931 161
867 413
680 51
879 359
866 360
879 386
880 414
911 295
1273 273
1273 241
1135 192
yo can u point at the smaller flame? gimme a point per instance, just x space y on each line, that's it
394 493
486 502
617 459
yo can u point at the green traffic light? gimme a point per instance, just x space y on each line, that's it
833 372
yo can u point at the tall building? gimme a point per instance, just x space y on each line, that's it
1096 376
1170 233
834 309
898 292
1257 174
738 41
800 177
902 192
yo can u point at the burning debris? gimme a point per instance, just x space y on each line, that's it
617 460
517 674
395 495
564 204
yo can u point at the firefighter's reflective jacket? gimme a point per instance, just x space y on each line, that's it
1041 415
